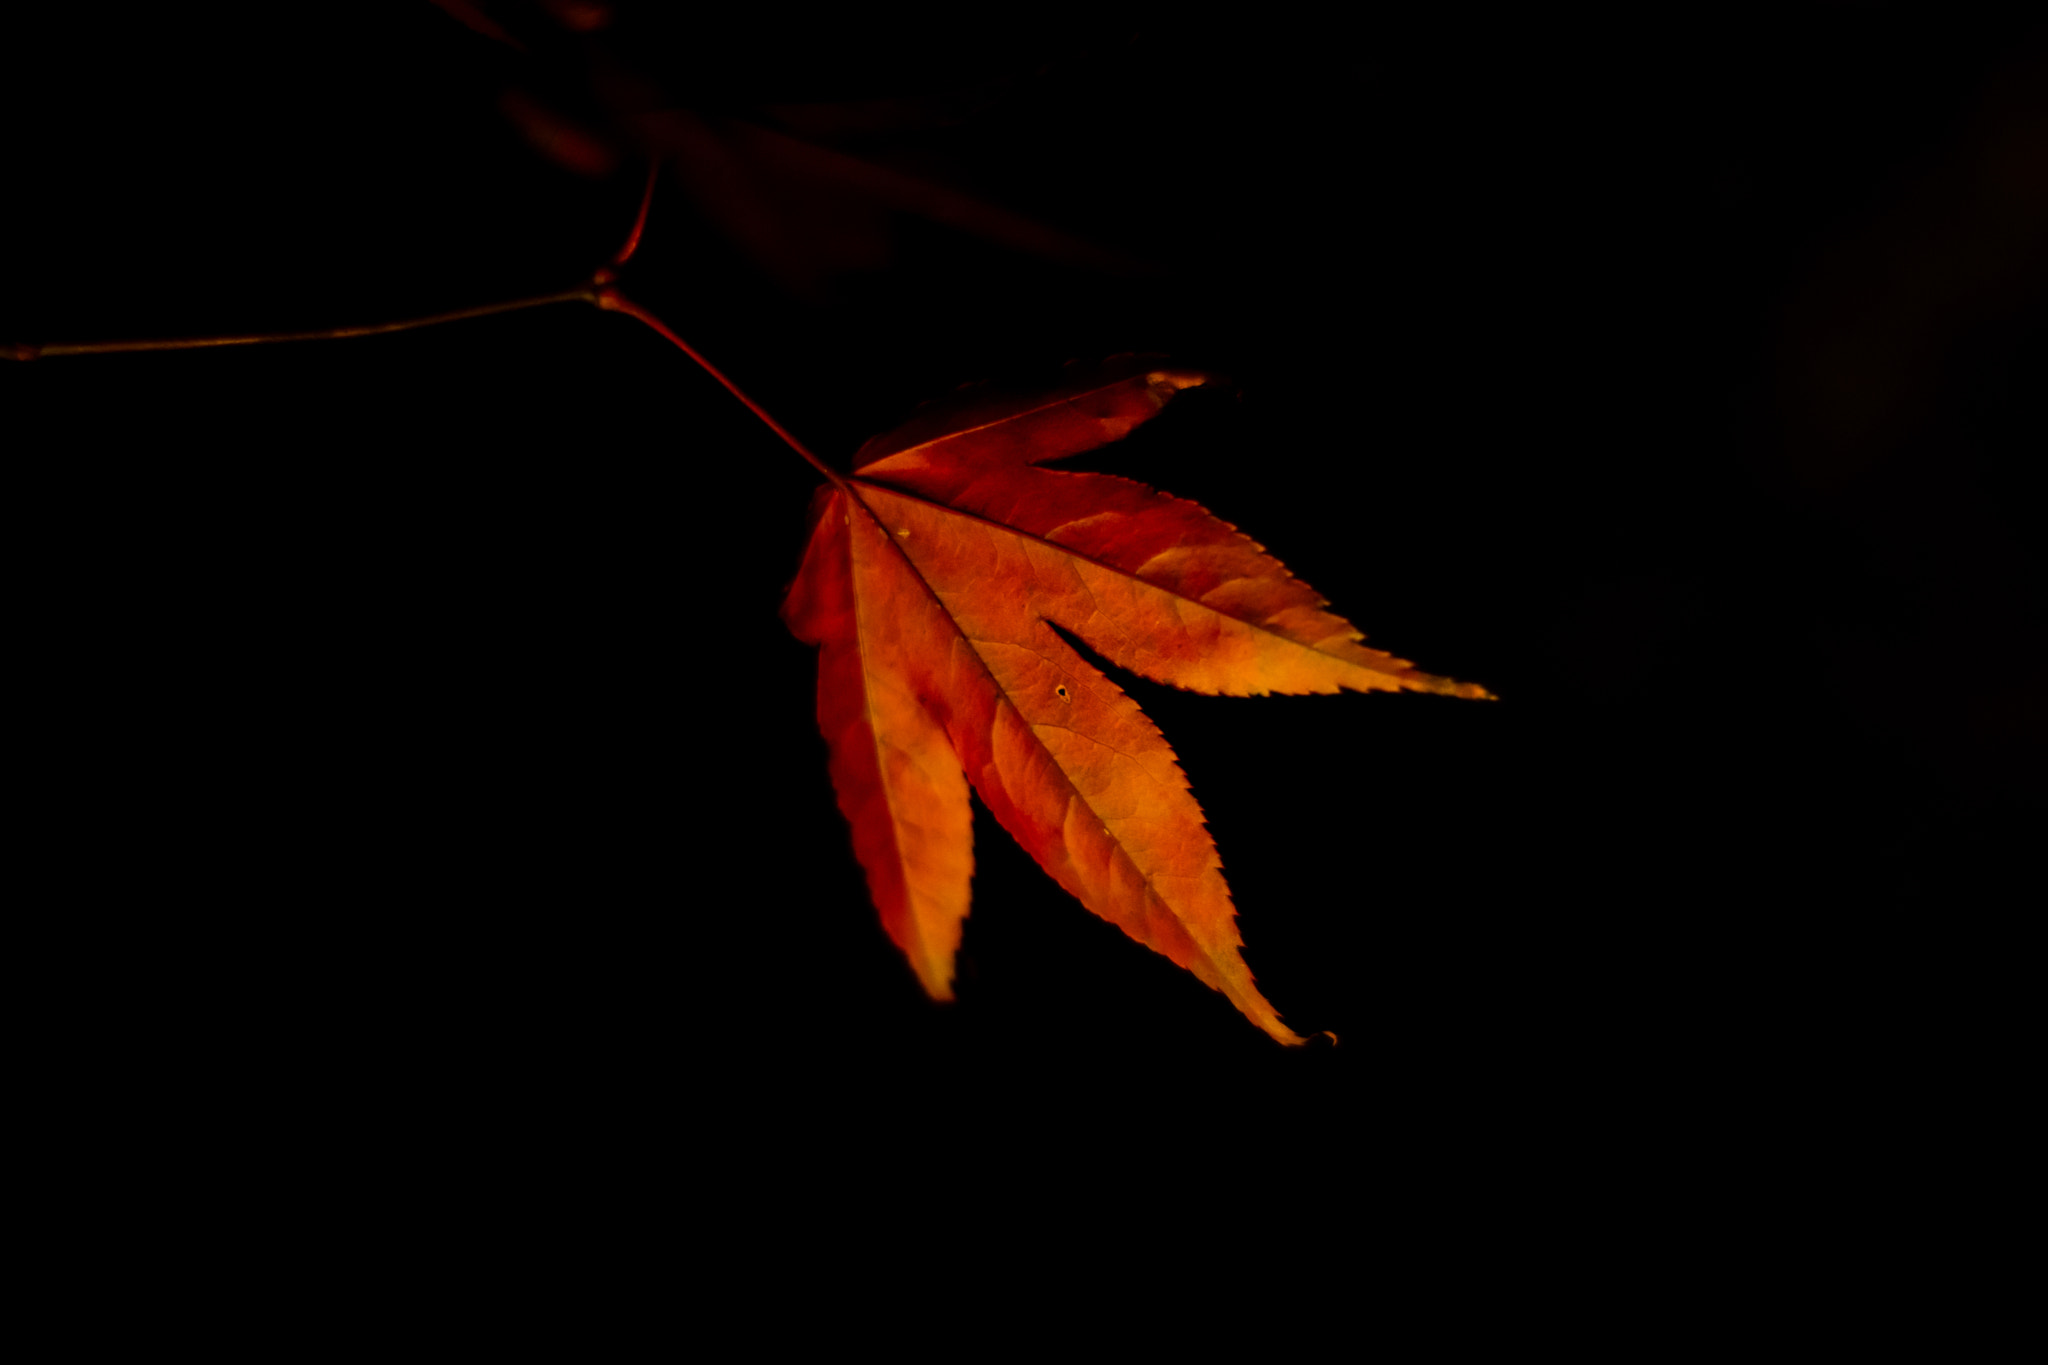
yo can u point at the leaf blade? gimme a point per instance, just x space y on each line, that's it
896 776
1158 585
989 428
934 593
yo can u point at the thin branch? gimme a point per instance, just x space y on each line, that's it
597 291
583 294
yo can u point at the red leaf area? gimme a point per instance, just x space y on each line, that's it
931 584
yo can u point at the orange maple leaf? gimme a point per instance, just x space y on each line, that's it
931 583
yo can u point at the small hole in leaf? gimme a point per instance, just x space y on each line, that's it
1062 690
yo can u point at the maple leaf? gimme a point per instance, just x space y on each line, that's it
932 582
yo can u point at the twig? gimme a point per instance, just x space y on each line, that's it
598 290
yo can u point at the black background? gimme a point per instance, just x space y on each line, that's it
427 745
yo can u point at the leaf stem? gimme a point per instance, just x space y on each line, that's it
639 219
613 301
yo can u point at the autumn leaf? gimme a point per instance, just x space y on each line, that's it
932 582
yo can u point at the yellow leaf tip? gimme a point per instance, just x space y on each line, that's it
1450 687
1293 1039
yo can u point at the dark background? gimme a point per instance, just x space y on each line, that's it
427 743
